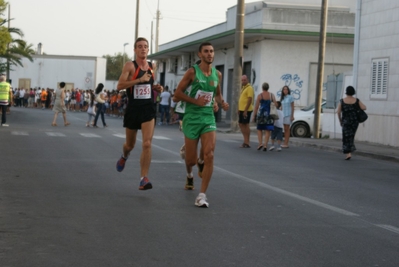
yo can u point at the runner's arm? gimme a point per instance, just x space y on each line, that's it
123 81
183 85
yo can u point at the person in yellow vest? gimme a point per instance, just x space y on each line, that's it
245 108
5 98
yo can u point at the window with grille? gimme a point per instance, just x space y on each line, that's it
379 78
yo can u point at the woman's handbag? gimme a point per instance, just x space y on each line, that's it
273 109
361 114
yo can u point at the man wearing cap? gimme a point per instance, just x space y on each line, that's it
5 98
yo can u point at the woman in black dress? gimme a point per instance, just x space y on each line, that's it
347 115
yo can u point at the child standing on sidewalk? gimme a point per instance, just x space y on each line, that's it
91 110
277 133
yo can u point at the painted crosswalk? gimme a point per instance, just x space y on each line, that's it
90 135
19 133
87 135
158 137
55 134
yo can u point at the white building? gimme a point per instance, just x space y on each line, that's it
280 47
49 70
375 73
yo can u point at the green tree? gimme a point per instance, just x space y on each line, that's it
115 65
5 37
15 48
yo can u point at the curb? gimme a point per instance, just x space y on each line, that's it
357 152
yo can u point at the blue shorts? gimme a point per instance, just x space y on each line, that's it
277 133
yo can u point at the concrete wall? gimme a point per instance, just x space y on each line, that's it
379 38
48 71
292 63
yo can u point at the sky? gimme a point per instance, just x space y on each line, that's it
99 27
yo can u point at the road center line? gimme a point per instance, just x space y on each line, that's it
287 193
275 189
389 228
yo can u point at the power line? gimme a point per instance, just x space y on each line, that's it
149 8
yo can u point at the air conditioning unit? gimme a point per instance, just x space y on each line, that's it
171 65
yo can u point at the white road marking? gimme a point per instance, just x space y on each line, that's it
55 134
293 195
158 137
389 228
19 133
120 135
287 193
229 141
167 161
89 135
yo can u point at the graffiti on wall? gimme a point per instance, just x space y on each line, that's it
294 82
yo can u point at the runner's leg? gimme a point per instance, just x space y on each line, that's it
147 130
208 141
191 152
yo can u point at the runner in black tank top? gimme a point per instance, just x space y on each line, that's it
138 79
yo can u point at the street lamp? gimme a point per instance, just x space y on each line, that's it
124 46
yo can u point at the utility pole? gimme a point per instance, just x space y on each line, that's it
136 34
320 68
152 36
8 45
124 53
238 54
157 29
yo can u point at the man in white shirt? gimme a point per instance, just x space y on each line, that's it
164 105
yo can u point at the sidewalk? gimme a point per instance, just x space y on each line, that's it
365 149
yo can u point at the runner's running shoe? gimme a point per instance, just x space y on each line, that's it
120 164
200 168
189 184
200 201
145 184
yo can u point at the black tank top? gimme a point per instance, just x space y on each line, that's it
142 93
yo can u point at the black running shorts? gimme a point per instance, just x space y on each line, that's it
136 115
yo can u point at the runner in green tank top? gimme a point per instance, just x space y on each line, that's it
199 120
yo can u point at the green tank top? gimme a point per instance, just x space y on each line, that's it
203 85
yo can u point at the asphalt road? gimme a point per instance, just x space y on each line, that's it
62 203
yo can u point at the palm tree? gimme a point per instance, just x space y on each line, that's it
16 51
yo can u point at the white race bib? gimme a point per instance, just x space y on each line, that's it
208 97
142 91
180 107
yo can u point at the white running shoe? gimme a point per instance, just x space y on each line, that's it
271 148
279 149
5 125
200 201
